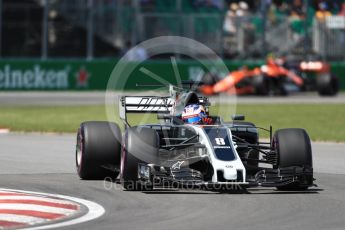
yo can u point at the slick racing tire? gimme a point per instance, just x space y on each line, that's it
261 85
327 84
141 145
210 79
98 145
294 149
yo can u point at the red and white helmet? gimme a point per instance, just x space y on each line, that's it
193 114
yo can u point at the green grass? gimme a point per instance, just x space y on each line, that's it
48 119
324 122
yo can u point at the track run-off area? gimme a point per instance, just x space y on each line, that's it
45 165
37 171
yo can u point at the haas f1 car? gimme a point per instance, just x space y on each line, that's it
276 77
172 154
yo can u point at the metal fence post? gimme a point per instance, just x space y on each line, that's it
343 41
306 49
134 29
222 35
264 21
90 31
180 19
118 29
1 9
44 46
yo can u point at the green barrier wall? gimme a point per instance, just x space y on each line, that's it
94 75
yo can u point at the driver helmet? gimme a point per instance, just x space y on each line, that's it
193 114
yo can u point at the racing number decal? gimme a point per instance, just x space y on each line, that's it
219 137
219 141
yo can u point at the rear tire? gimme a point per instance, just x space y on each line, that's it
261 85
141 145
294 149
327 84
98 144
210 79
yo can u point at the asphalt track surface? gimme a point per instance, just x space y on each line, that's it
45 163
96 98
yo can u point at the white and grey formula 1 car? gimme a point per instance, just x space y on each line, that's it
171 154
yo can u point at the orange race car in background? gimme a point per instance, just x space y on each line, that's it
317 76
276 77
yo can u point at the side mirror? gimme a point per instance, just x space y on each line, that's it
237 117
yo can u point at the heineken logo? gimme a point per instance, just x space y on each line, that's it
34 78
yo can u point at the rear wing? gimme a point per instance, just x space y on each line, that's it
150 104
145 104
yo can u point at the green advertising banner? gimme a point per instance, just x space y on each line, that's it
16 75
54 75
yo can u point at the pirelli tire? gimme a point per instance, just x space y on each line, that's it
140 145
210 79
293 148
261 85
98 146
327 84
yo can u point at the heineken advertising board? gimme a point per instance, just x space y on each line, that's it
18 75
72 75
54 75
36 77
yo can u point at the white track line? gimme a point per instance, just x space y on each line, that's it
35 207
94 210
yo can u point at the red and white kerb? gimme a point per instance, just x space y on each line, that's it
20 210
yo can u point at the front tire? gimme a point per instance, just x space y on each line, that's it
141 145
98 145
261 85
210 79
294 149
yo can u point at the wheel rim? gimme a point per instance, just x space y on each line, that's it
122 163
123 156
79 151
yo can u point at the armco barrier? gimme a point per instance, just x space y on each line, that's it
93 75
